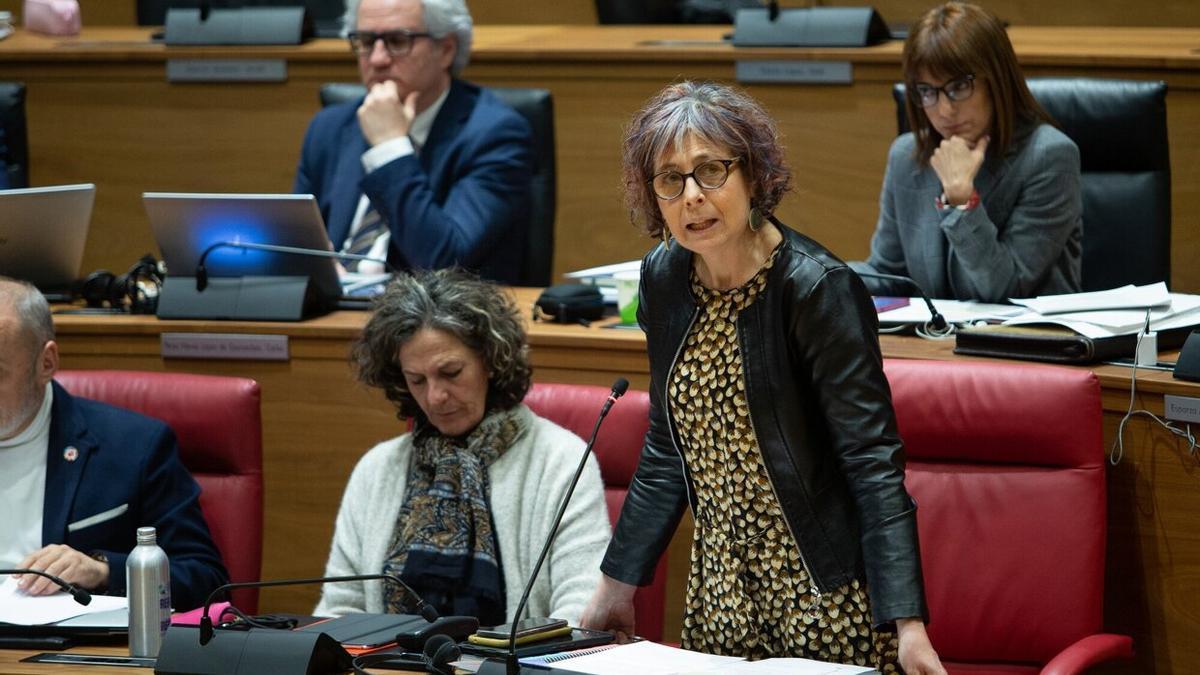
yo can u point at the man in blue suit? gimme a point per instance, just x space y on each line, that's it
78 477
427 170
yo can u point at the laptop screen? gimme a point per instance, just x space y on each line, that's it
43 232
185 225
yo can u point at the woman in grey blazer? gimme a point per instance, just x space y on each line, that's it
981 201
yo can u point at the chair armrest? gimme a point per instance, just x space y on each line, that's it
1089 651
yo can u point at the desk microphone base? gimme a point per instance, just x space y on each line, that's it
251 298
250 652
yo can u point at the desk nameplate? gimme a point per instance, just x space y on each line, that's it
226 70
795 71
235 346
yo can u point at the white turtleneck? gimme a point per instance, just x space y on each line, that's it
23 486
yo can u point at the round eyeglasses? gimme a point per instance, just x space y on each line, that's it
958 89
396 42
709 175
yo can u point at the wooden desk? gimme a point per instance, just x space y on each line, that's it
317 422
100 109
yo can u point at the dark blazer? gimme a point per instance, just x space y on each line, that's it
463 199
123 459
822 413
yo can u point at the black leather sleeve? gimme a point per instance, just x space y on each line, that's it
845 365
658 493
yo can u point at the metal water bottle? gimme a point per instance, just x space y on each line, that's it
148 584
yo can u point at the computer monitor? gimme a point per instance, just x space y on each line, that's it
241 283
42 234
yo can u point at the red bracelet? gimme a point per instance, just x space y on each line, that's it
972 202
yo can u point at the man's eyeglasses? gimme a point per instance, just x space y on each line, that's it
958 89
709 175
397 42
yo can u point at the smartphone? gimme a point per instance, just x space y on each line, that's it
526 628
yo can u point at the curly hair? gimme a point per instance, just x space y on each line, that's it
476 312
717 114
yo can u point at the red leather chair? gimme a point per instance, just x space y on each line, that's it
217 422
1006 463
618 448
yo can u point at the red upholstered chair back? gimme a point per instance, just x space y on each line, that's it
1006 463
618 449
217 423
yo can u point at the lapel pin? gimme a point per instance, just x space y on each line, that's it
70 454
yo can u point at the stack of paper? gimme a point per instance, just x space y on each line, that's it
1120 311
17 607
650 658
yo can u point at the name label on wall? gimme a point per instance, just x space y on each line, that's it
237 346
226 70
793 71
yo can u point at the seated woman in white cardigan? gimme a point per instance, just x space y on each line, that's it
460 507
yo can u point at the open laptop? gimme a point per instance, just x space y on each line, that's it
185 225
42 234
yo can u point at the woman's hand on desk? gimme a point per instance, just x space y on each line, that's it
917 656
66 563
611 608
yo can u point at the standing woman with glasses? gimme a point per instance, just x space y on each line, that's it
981 201
770 415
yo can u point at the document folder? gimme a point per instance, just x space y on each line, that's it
1055 344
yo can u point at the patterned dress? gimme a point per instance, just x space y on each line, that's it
748 592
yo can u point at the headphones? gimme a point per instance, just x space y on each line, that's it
136 291
439 651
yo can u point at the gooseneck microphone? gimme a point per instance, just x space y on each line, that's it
202 271
423 608
81 596
509 664
935 317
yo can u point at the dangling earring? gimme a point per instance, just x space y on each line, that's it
666 236
756 219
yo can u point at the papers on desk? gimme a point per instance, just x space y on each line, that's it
1102 314
16 607
650 658
1126 297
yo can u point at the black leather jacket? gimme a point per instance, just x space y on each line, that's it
821 410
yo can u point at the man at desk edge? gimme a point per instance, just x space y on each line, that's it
78 477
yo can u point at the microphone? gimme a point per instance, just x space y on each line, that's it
81 596
202 270
509 664
935 317
423 608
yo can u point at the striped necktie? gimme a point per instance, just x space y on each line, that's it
364 238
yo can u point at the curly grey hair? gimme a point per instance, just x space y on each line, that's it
476 312
442 17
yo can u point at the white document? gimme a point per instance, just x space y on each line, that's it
791 667
28 610
1182 310
955 311
606 271
647 658
1126 297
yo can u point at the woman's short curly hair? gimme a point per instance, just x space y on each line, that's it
476 312
714 113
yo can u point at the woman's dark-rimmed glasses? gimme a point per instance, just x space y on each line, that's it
958 89
709 175
397 42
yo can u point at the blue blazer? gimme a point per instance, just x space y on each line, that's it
125 474
463 199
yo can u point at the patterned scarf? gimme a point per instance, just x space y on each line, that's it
444 544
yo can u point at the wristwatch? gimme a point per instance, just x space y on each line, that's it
972 202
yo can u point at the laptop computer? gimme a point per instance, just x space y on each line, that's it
245 283
42 234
